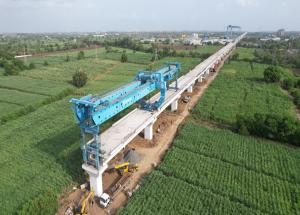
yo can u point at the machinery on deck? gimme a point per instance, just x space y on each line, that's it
93 110
230 31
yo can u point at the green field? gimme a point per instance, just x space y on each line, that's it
239 90
19 98
30 85
97 54
64 72
40 150
13 100
207 49
245 53
186 63
7 108
213 171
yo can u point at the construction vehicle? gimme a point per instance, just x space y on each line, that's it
83 207
186 99
104 200
126 167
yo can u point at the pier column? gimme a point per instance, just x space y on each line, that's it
95 177
174 105
96 184
190 89
200 79
148 132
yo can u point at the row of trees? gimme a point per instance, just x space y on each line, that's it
281 128
10 64
158 52
273 74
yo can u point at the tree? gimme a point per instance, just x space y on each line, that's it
271 126
272 74
288 84
124 57
235 56
67 58
46 63
107 48
80 55
241 126
31 65
298 84
10 69
19 64
79 78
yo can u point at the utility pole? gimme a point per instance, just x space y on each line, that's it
156 55
25 58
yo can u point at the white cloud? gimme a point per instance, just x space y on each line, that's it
247 3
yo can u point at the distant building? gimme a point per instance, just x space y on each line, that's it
270 39
193 40
99 35
147 40
281 32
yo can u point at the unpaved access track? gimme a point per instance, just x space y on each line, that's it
151 152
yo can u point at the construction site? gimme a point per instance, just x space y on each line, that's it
149 108
117 159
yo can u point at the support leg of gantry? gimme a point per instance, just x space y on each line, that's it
174 105
190 89
95 177
148 132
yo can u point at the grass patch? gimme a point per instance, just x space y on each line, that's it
30 85
239 90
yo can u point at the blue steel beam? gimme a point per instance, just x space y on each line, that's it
93 110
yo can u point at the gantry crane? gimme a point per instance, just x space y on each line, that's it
230 30
93 110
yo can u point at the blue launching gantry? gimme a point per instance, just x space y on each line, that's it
230 30
92 110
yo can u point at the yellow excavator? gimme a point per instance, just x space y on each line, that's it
83 208
126 167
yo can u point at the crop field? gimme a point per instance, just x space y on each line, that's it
207 49
249 177
36 155
133 57
186 63
64 72
19 98
238 90
30 85
6 108
12 100
245 53
99 54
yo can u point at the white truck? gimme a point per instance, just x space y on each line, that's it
104 200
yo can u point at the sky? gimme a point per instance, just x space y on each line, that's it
36 16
